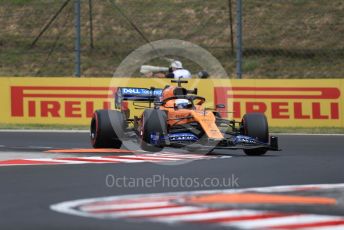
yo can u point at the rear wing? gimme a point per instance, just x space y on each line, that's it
136 94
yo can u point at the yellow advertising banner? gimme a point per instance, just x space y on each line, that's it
286 103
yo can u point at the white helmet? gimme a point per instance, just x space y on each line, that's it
177 65
183 104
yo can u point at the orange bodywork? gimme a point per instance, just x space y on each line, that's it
196 114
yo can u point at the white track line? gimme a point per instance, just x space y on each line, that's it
334 227
83 160
51 160
148 212
115 207
103 160
184 156
209 215
93 160
278 221
154 158
130 201
127 160
109 159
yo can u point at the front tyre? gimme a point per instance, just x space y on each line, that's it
154 123
107 129
256 125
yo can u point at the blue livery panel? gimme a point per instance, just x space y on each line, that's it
240 139
182 137
156 138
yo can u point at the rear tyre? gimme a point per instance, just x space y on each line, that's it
107 129
256 125
154 122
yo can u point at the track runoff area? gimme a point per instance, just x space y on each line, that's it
73 186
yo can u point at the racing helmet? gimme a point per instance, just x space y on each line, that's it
177 65
183 104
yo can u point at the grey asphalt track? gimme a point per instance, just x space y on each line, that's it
26 192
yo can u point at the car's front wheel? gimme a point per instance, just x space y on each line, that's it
256 125
154 127
107 129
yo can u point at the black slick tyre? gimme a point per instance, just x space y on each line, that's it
256 125
107 129
154 122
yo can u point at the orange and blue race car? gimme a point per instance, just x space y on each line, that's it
176 117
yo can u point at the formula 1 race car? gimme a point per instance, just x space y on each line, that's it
176 117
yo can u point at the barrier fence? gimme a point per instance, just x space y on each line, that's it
71 101
281 39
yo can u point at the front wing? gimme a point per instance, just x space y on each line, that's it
189 140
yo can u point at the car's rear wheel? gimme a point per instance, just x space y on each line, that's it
154 125
256 125
107 129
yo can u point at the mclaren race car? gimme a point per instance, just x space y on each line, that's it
176 117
